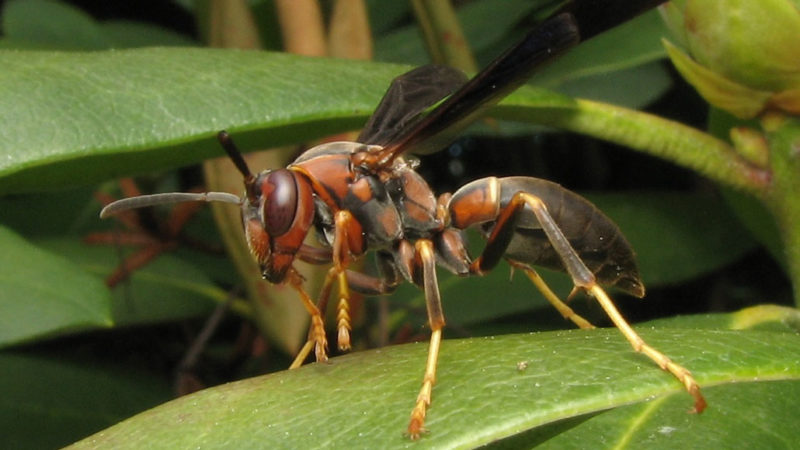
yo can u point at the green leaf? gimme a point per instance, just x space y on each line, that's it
55 25
756 413
106 117
42 294
487 389
702 233
67 399
166 289
631 44
622 66
83 117
50 24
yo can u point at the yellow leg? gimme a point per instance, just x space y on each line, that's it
346 227
565 311
322 303
416 425
317 332
302 354
426 258
681 373
583 278
343 314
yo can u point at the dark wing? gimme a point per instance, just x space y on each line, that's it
407 97
576 20
498 79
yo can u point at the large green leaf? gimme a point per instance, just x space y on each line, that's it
487 389
166 289
43 294
55 25
81 117
626 46
702 233
74 118
49 402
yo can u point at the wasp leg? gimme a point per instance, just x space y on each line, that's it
342 307
565 311
336 273
427 259
347 241
315 255
317 337
583 278
303 353
343 313
322 304
680 372
362 283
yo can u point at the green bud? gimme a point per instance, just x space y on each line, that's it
739 48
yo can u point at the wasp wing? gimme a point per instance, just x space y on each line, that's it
407 97
498 79
577 20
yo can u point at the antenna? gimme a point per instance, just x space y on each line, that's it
236 156
167 198
233 151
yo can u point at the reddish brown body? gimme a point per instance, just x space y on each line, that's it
362 197
393 211
390 210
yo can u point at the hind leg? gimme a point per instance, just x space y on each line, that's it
564 309
581 276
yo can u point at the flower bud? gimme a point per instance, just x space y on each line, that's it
745 54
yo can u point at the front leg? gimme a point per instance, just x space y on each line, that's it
347 242
316 335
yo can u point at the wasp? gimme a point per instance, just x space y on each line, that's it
367 196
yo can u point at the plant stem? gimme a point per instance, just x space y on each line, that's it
349 34
666 139
783 135
443 35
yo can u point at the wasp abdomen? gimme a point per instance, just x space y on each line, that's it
596 238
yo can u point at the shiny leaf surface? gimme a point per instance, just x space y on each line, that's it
487 389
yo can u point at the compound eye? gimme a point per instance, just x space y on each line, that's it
279 194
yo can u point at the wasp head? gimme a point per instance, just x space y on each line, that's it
277 213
